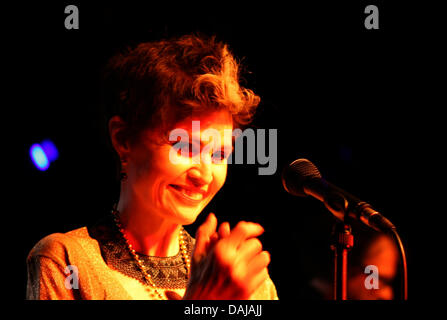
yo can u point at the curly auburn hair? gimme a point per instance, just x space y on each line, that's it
156 84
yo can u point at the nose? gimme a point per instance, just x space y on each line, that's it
201 174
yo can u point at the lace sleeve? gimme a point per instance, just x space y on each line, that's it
46 280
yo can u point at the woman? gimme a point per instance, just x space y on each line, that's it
142 251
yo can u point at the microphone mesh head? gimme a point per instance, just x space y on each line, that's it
295 175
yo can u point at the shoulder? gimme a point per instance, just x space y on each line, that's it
57 245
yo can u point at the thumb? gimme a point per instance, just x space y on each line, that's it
203 237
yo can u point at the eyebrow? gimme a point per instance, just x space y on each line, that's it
202 143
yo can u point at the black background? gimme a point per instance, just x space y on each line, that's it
353 101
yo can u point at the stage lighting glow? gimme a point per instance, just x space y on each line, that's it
50 150
39 157
43 153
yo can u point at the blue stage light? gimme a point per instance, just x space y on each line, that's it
50 150
39 157
42 154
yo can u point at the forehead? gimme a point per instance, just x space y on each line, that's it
218 120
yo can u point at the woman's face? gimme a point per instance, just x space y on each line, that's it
178 185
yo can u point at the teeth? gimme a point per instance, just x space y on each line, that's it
188 193
193 195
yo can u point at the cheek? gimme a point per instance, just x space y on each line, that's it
220 174
151 170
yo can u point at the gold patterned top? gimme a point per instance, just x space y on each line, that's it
93 263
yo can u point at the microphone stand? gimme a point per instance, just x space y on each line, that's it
342 242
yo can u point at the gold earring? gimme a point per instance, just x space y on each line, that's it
123 172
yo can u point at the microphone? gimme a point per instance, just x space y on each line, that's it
302 178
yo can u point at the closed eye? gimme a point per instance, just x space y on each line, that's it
220 156
185 149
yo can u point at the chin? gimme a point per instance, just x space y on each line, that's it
187 216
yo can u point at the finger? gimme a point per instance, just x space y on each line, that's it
244 230
258 280
249 249
213 239
203 234
224 230
258 262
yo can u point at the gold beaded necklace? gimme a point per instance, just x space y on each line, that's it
134 254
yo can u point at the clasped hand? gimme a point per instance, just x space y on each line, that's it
227 264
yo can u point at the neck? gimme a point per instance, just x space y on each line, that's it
148 233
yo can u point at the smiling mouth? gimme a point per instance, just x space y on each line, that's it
188 194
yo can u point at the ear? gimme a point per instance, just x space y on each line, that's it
117 127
